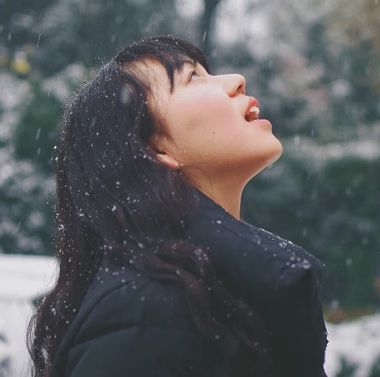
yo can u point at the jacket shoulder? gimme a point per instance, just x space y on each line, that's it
139 326
129 300
278 278
252 260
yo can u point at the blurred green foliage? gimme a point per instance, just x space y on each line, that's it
35 136
347 368
375 369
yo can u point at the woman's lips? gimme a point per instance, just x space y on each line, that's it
252 115
253 107
265 123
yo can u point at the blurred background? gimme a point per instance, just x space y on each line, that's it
314 65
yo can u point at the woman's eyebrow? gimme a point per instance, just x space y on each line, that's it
183 68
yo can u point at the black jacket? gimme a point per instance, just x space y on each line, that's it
129 325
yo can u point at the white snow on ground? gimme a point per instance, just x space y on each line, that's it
23 278
357 341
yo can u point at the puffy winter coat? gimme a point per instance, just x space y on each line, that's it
130 325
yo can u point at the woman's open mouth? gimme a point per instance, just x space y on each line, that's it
253 110
252 114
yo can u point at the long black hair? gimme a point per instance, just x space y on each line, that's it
115 200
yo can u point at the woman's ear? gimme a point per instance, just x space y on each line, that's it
167 160
160 150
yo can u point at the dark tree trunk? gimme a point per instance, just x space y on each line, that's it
206 24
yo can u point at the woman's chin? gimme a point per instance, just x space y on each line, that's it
275 154
280 149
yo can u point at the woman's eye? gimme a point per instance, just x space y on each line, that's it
192 73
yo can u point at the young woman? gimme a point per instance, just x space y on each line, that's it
158 275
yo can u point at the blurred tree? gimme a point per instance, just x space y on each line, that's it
347 368
35 134
356 27
18 20
206 26
375 369
26 222
66 31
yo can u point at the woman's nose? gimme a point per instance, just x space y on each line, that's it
234 84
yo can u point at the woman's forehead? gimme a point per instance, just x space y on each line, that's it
154 73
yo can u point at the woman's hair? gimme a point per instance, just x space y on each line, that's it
116 201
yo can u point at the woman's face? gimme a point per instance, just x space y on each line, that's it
205 118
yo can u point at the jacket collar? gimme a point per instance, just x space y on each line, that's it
207 202
206 205
208 210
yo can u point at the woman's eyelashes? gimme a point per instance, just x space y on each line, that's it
191 75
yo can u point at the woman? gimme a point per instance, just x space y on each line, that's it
158 275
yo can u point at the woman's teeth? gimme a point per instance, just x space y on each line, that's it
252 114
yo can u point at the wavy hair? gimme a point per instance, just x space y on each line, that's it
115 200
